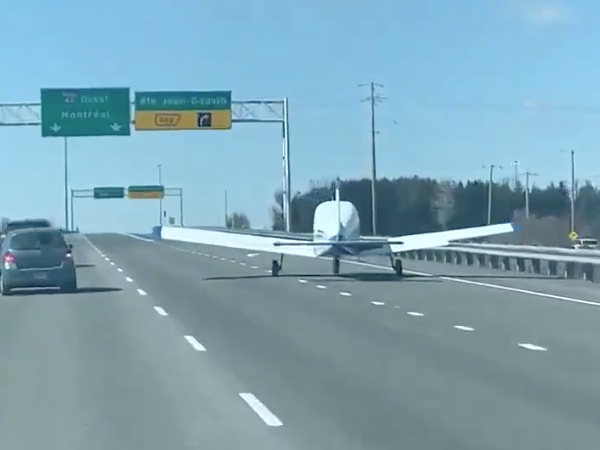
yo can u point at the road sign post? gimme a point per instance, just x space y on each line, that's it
109 192
85 112
183 110
149 192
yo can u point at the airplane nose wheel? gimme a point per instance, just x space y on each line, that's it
336 266
275 268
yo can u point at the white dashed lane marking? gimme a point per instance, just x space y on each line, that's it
119 269
261 410
112 263
160 311
195 344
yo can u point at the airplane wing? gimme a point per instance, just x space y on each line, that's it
415 241
443 238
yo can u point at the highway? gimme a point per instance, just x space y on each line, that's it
181 346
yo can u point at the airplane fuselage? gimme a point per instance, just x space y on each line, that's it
338 222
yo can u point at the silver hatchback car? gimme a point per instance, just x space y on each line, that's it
37 258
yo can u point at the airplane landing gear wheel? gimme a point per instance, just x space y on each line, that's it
398 268
275 268
336 266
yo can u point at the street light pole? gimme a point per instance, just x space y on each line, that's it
160 202
573 193
516 166
66 182
527 177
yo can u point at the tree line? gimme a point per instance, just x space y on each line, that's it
421 205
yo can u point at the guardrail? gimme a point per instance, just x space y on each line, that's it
576 264
574 267
534 249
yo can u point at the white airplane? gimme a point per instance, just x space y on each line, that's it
336 234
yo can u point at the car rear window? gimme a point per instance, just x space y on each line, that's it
37 240
28 224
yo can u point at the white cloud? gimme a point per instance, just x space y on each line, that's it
544 12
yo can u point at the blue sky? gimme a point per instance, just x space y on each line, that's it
468 82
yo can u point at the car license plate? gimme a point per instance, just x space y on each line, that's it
41 276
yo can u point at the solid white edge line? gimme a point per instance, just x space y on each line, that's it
141 292
160 311
482 284
195 344
469 282
261 410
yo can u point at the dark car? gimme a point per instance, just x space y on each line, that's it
37 258
23 224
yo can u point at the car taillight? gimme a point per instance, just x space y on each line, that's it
9 258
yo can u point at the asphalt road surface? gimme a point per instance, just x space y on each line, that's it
181 346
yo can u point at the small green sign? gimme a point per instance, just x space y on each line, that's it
86 112
109 192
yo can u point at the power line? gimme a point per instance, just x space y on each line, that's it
374 99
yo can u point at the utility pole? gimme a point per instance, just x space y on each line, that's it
528 175
374 98
573 191
490 186
160 202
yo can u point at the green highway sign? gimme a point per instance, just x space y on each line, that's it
85 112
109 192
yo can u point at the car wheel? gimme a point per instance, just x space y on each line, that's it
4 289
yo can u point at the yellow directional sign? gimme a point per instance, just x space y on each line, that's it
183 110
573 235
182 120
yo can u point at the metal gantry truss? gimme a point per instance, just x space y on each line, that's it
243 111
89 193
